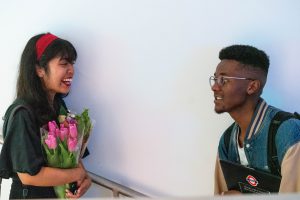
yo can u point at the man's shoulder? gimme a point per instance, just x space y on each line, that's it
280 116
290 126
288 132
227 132
272 111
225 140
285 118
288 123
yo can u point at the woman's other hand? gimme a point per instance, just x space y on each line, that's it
83 186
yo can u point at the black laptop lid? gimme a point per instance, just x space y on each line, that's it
248 180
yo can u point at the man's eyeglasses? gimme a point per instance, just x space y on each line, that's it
221 80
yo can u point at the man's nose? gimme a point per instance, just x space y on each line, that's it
215 86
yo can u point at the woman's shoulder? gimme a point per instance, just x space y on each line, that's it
17 104
19 109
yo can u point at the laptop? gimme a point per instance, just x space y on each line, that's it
249 180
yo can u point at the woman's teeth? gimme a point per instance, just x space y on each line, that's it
67 81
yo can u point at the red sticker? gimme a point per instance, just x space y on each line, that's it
251 180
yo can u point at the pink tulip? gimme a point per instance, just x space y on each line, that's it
52 126
51 133
73 130
63 133
57 132
51 141
72 144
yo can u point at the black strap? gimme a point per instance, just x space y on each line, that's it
277 120
227 135
272 156
8 120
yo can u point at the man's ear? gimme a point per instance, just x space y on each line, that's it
40 71
254 87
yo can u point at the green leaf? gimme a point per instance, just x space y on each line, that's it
84 122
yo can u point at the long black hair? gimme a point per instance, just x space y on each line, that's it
29 85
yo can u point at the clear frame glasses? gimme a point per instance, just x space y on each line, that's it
221 80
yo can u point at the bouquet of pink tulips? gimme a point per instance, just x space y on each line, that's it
65 142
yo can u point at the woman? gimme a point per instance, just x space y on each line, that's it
45 77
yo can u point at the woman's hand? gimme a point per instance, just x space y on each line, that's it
83 186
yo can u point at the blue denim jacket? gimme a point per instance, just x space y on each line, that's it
255 143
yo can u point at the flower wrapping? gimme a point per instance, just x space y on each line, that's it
65 142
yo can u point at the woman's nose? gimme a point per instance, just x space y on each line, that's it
71 69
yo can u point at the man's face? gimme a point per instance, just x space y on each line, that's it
232 95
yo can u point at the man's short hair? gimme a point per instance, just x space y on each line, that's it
247 55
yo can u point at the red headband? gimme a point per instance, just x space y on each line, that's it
42 43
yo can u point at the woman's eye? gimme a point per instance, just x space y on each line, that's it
64 63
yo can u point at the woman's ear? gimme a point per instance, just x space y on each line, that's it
40 71
253 87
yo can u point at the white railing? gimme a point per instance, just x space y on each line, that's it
117 190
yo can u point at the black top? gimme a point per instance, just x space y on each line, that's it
22 152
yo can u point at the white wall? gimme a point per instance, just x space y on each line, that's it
143 71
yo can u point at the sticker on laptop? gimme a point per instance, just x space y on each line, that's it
252 180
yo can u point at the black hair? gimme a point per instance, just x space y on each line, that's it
247 55
29 85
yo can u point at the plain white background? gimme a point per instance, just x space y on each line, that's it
143 70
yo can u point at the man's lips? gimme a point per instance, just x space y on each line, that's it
218 98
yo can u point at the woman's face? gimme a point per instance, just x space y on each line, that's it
58 78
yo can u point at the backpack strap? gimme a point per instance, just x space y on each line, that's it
227 135
277 120
8 119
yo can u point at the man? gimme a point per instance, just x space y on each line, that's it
237 85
